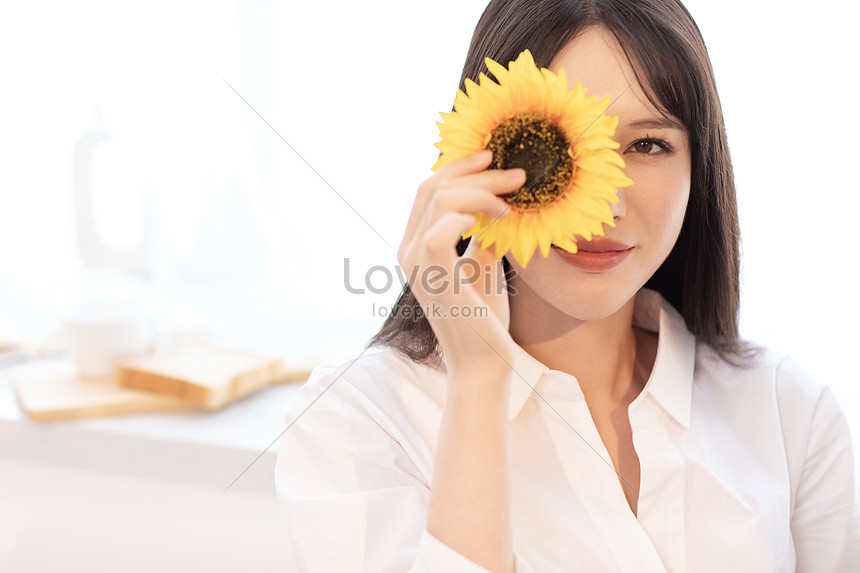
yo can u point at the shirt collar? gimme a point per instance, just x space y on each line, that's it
671 381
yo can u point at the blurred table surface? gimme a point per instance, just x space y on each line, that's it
198 447
207 448
197 485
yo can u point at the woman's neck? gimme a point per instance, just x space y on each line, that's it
609 358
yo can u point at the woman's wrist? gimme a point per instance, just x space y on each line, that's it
479 374
484 388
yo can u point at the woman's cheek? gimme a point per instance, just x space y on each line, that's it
661 197
674 199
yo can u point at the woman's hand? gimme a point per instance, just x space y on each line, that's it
464 299
470 506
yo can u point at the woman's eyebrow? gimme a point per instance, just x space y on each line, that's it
655 122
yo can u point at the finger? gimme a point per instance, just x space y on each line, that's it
468 201
496 181
486 258
440 241
457 168
468 194
491 182
464 165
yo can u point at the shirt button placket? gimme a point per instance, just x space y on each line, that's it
662 482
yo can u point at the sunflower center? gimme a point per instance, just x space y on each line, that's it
538 145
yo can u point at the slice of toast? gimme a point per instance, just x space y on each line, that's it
202 375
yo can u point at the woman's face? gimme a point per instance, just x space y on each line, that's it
649 215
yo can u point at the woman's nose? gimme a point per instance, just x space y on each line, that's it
619 210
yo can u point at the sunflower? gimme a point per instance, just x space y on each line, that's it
563 140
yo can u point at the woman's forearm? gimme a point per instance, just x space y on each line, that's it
470 508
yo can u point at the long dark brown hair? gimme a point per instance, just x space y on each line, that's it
701 275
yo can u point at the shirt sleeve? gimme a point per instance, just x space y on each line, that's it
353 499
825 523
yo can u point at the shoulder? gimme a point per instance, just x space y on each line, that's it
380 385
765 371
770 389
773 392
378 370
350 429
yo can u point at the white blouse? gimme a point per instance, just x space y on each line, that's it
742 470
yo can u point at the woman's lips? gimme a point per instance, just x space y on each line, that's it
601 245
597 255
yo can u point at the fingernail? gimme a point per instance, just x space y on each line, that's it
484 155
504 208
516 174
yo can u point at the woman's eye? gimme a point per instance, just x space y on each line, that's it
645 146
649 146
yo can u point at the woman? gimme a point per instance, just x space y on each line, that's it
604 415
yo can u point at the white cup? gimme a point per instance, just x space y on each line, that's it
98 335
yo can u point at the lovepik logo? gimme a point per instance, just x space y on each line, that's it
379 279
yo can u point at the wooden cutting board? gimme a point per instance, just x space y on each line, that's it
51 390
191 377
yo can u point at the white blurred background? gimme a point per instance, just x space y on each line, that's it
197 201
